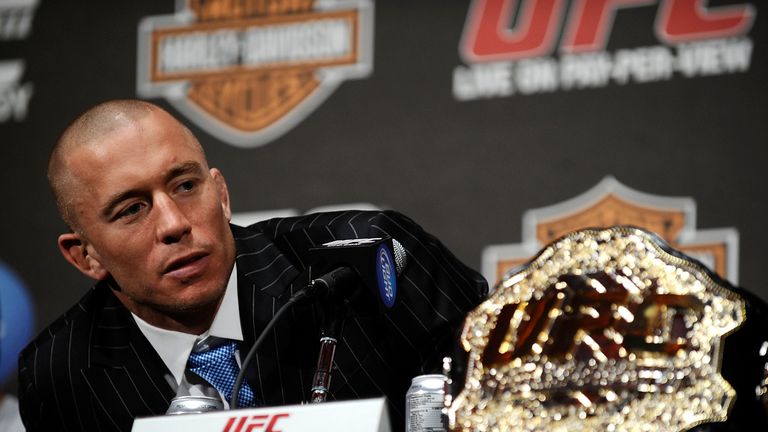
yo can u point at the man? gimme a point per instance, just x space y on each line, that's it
150 223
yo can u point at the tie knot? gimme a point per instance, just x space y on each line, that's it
221 353
217 364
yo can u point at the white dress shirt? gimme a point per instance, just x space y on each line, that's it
174 347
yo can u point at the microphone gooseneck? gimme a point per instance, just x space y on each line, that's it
296 298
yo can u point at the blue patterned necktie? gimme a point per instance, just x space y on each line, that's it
219 367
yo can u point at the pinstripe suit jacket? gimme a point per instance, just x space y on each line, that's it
92 369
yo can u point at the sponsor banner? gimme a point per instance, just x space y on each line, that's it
14 94
16 18
249 71
611 203
527 47
15 24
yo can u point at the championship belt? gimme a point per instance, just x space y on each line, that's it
612 330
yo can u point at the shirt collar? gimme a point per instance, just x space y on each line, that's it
174 347
226 323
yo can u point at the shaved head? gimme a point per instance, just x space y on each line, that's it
90 129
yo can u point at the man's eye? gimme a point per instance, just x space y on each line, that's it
187 186
129 211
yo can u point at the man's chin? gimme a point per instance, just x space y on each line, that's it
188 308
197 302
191 306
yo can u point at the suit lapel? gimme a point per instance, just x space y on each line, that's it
280 372
126 376
261 263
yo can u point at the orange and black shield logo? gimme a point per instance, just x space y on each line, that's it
248 71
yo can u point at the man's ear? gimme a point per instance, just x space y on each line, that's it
221 186
75 250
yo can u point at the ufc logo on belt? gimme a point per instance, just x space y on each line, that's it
596 316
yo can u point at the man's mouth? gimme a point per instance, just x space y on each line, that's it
187 265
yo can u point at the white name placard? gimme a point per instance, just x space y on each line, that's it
368 415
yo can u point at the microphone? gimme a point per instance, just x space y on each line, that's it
342 264
350 263
374 262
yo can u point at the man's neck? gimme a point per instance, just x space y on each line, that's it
194 322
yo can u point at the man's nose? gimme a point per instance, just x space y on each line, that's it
172 223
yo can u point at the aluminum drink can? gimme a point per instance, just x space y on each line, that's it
424 403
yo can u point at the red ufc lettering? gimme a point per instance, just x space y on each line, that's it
686 20
488 38
591 22
509 30
254 423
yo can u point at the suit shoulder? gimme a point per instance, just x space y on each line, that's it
355 223
76 319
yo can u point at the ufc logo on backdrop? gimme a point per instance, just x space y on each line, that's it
256 423
510 29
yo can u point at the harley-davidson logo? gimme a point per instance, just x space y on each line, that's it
248 71
611 203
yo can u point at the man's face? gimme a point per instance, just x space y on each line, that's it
152 216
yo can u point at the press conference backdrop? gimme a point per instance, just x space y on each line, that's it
496 124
